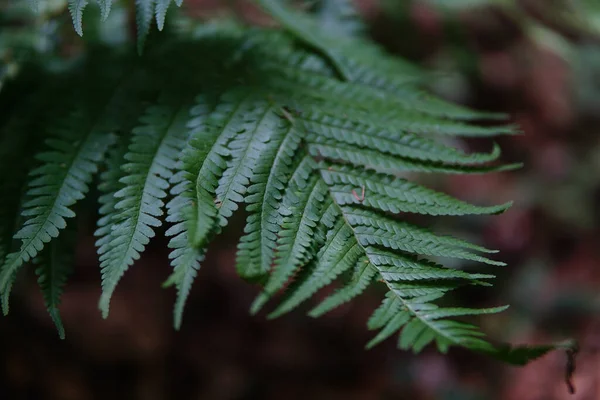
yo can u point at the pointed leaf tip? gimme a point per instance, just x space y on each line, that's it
76 8
104 304
105 7
55 315
161 12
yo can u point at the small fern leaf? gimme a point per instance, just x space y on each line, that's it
387 141
301 209
151 158
5 295
185 259
337 255
206 161
245 149
108 186
389 194
364 274
54 187
105 6
394 267
161 12
256 247
384 313
178 3
192 211
20 136
54 265
408 308
76 8
395 323
12 188
374 229
199 210
144 12
389 164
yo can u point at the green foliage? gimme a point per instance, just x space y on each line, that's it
309 131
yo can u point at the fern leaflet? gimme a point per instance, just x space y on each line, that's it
150 161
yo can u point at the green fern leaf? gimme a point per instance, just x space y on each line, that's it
105 6
256 248
20 140
192 211
185 259
245 148
396 143
363 276
403 267
108 186
354 186
68 167
76 8
161 12
54 264
391 164
338 255
144 12
150 161
301 210
314 159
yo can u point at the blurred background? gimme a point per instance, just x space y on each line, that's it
537 60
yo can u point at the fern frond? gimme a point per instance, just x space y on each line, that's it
373 229
144 12
54 265
185 259
396 143
151 158
338 255
245 149
389 194
256 248
108 186
20 138
301 209
192 211
313 158
161 12
105 6
363 276
403 267
12 188
55 186
388 164
76 8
